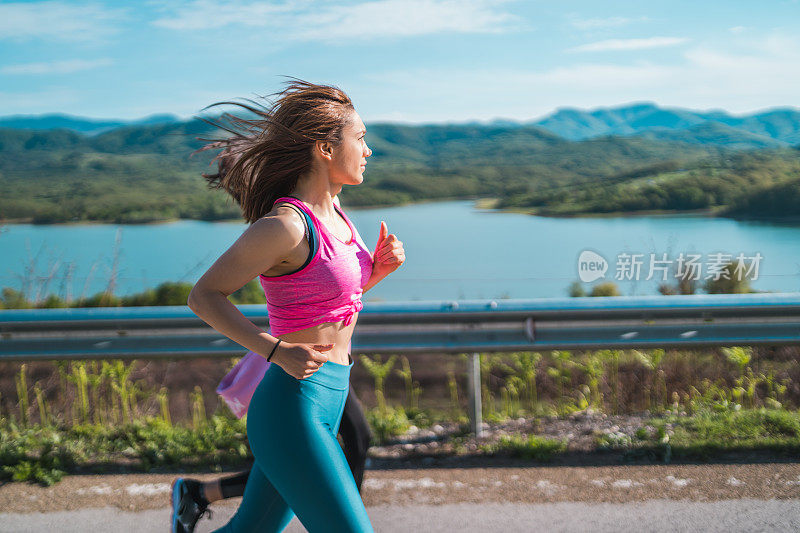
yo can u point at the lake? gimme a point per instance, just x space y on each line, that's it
453 251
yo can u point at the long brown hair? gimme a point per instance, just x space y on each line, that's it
268 152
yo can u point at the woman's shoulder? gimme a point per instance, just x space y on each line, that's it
283 225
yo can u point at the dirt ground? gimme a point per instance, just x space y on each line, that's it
441 482
421 467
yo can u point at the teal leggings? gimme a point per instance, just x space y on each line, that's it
299 467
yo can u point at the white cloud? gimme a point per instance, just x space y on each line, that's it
776 44
410 17
640 74
598 23
56 20
317 22
765 76
737 29
629 44
67 66
207 14
768 71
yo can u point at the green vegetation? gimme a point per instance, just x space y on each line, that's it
757 184
168 293
700 405
92 414
108 421
44 453
526 447
144 173
386 421
711 433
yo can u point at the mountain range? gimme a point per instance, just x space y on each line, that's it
768 129
83 125
774 128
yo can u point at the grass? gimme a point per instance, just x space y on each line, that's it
703 436
526 447
708 434
44 454
96 416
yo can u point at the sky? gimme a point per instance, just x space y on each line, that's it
410 61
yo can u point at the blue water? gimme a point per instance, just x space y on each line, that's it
453 251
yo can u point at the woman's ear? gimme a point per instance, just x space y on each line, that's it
324 149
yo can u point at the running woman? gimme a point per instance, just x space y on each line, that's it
190 498
311 144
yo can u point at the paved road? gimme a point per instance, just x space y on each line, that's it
714 497
655 515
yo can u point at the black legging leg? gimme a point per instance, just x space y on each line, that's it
355 432
233 486
356 435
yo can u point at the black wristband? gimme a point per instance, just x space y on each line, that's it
273 349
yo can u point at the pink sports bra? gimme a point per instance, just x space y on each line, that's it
327 289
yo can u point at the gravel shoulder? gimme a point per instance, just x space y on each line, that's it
450 484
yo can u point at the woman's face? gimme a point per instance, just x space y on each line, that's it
349 158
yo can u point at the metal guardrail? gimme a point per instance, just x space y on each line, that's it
469 326
446 327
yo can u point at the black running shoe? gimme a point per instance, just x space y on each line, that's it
187 505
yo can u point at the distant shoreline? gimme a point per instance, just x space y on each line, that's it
221 220
712 212
482 203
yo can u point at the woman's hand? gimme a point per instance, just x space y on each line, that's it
388 255
300 360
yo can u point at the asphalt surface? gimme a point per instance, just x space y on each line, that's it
654 515
707 497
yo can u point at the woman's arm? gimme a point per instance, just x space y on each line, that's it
387 257
390 251
260 247
264 244
373 280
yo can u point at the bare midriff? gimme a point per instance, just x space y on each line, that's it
326 333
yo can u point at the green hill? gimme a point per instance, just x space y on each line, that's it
780 125
144 172
761 184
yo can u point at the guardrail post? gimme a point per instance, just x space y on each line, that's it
474 385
